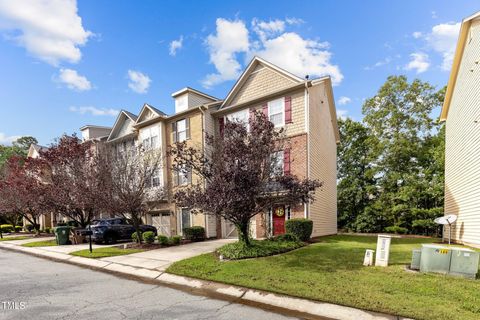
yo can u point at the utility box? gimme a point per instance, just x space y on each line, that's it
368 259
464 262
416 255
435 258
383 250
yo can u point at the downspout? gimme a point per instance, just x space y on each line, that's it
306 207
203 150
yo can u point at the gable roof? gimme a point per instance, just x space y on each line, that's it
146 107
35 148
118 123
457 60
249 69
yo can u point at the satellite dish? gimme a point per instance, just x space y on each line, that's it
448 219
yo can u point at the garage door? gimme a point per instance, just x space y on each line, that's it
161 221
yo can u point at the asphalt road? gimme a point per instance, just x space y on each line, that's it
34 288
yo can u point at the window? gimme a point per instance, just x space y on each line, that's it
156 178
276 112
240 117
181 130
186 221
183 175
150 138
277 163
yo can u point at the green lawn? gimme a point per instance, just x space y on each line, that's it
44 243
263 248
104 252
14 238
332 271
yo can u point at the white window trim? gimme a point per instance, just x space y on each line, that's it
282 123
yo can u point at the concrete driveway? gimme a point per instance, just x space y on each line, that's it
160 259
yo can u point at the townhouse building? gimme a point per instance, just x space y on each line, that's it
304 108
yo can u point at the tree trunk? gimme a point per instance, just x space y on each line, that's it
243 235
136 225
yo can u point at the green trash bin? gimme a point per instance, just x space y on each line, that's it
62 235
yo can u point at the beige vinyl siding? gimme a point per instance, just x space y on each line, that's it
196 100
261 82
322 162
462 154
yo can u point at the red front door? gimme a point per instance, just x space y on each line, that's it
278 220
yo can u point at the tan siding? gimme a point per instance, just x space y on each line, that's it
259 83
322 163
462 169
196 100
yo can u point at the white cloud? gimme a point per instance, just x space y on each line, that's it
419 62
443 39
231 38
417 34
7 140
286 49
139 82
344 100
50 30
294 21
176 45
380 63
266 29
73 80
95 111
300 56
342 114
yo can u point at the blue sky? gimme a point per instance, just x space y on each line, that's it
64 64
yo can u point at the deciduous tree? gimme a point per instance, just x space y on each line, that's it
238 175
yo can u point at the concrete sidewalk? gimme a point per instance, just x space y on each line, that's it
150 266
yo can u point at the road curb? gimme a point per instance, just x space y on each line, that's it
283 304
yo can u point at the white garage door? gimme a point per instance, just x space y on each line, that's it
161 221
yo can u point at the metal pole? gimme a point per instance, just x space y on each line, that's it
90 238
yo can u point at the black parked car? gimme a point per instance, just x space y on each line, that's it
115 229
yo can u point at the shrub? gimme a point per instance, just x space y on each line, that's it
285 237
195 233
18 228
30 228
175 240
148 236
48 230
396 229
262 248
301 228
6 228
135 237
163 240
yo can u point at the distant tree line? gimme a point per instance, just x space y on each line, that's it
391 164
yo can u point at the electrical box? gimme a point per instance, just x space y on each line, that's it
435 258
464 262
383 250
416 255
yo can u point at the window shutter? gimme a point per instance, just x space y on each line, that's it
221 125
174 132
288 110
189 175
187 128
265 110
286 161
252 114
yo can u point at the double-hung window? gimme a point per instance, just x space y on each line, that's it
276 112
277 163
240 117
150 138
181 130
183 175
156 178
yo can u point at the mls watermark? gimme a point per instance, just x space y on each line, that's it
12 305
